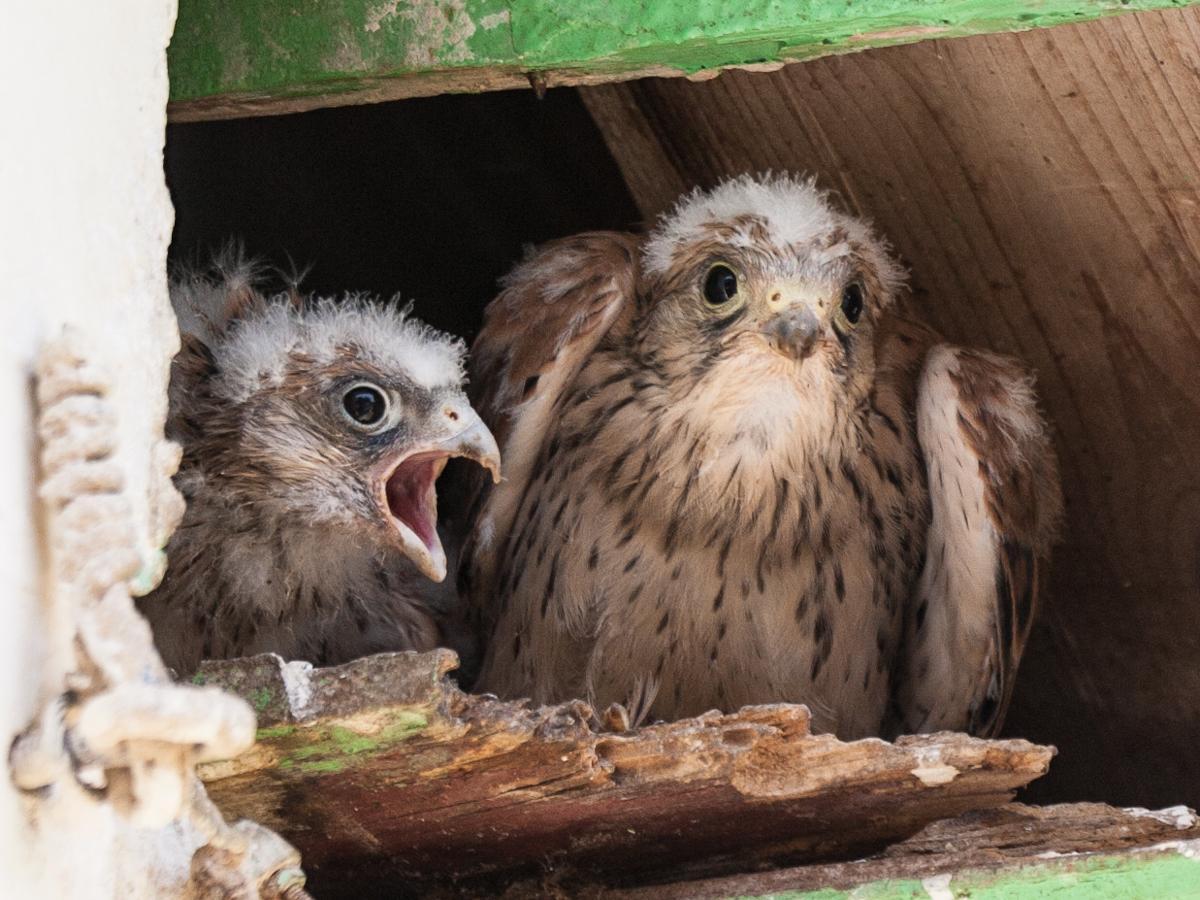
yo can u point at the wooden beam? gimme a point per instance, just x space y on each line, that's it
231 58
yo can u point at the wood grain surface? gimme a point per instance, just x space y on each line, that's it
1043 188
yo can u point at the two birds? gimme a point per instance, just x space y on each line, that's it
732 475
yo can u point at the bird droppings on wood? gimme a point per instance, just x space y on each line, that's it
932 770
390 771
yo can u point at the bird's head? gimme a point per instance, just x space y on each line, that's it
340 415
763 298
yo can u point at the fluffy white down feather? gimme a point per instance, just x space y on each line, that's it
796 211
252 352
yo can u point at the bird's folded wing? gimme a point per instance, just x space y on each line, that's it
554 309
995 504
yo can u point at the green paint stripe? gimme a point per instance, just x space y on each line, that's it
1129 876
295 48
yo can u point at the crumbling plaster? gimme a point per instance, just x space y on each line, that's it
85 219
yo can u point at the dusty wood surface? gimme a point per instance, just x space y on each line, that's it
1044 190
383 771
1086 848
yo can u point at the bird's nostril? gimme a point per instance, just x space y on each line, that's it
452 414
776 297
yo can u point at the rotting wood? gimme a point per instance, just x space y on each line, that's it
1043 190
230 58
384 768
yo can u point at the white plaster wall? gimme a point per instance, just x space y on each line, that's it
84 223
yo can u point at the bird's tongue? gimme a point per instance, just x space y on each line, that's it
411 498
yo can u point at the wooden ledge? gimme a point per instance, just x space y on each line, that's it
382 769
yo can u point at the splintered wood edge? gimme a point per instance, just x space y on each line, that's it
765 752
383 769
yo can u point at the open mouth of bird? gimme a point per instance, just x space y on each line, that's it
412 499
409 495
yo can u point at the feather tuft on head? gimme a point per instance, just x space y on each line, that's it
252 336
795 211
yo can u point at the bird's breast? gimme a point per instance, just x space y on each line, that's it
651 565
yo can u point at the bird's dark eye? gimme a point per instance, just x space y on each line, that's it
365 404
852 302
720 285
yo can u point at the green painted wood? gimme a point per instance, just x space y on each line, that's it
1169 872
260 52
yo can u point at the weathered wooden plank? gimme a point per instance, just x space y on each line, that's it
382 769
1043 188
1082 850
233 58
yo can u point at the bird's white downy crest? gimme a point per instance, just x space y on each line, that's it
260 346
795 210
253 350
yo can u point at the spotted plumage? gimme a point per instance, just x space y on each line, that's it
312 433
734 476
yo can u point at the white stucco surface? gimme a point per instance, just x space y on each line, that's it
84 223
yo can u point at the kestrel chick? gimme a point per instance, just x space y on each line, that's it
313 431
733 477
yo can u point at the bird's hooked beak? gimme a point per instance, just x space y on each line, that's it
793 328
407 494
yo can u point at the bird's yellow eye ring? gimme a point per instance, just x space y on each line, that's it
720 286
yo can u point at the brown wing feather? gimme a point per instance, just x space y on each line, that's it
554 309
1021 490
995 500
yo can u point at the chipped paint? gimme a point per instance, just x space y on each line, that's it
495 20
346 54
938 886
1187 849
377 14
441 29
894 35
226 51
1180 816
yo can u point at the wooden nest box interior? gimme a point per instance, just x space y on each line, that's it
1043 189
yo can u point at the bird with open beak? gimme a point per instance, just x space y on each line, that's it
313 432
